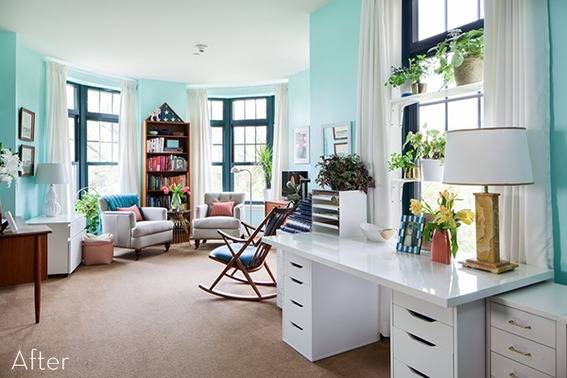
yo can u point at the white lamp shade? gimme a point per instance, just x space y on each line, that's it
488 156
51 173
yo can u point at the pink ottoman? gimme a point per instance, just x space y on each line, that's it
97 252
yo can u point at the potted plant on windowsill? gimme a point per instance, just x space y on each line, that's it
405 162
265 162
344 172
429 148
461 56
417 70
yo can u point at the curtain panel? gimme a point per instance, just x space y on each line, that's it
128 164
198 102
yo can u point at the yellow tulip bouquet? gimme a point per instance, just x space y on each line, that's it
443 218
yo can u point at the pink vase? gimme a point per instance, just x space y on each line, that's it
441 247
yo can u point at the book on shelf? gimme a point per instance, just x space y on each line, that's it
157 182
166 163
155 145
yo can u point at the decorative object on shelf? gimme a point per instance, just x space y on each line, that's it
377 233
235 170
337 138
51 174
471 159
27 157
177 192
265 161
467 53
418 69
26 125
87 204
164 114
343 173
301 145
444 219
410 234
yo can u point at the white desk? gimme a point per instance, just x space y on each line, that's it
438 311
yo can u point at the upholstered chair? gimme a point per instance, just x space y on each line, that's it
205 227
154 229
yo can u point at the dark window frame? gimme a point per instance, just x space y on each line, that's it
81 116
412 46
227 124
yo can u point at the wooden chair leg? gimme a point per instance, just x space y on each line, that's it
269 272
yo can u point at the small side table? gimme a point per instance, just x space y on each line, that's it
181 225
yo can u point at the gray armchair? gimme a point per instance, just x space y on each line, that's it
155 229
206 228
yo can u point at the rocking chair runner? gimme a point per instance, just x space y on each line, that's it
248 256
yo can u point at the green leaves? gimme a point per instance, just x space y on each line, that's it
88 206
344 172
265 161
418 69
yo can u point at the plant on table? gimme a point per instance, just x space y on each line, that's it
443 218
177 192
87 204
344 172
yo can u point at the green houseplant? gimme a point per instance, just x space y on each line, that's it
429 149
87 204
265 161
343 172
406 162
460 56
418 69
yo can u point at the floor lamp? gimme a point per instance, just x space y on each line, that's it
235 170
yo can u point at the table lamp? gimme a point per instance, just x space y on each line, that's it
496 156
51 174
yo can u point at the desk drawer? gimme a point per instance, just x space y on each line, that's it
427 358
527 352
522 323
502 367
422 326
297 290
297 337
297 267
401 370
430 310
77 226
298 313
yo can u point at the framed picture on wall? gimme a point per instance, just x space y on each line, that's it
26 125
27 156
341 132
341 148
301 145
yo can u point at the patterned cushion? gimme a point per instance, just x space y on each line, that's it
223 253
222 209
134 209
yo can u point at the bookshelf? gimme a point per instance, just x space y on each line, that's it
165 159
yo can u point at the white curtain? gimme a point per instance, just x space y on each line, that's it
516 94
128 162
280 147
379 49
57 132
200 144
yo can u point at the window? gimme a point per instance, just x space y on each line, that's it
239 128
425 24
93 135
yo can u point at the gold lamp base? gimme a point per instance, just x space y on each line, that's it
487 236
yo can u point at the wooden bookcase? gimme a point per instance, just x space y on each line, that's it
169 134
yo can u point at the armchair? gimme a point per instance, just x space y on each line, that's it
155 229
206 228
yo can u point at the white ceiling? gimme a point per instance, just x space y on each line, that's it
250 41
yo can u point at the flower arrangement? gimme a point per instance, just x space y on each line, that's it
10 166
177 191
445 218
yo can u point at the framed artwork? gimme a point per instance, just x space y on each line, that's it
337 138
301 145
27 156
410 234
341 132
26 126
341 148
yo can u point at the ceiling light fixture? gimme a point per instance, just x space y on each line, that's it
200 49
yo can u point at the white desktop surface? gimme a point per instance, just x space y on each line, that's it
415 275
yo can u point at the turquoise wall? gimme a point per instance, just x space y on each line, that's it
299 112
8 108
153 93
558 31
30 94
333 72
234 92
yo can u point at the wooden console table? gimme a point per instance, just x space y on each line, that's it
23 259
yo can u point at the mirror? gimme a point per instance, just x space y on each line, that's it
337 138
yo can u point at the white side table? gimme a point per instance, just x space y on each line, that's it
64 251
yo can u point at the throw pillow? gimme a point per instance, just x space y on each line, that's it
134 209
221 209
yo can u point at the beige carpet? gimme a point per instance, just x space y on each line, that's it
148 318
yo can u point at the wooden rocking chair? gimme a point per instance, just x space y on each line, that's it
248 256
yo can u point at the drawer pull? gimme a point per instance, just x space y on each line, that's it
513 349
417 372
296 326
296 265
515 323
296 303
419 339
296 281
420 316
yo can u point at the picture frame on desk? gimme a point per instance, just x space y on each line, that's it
410 234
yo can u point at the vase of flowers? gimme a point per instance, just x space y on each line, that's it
10 168
444 224
177 192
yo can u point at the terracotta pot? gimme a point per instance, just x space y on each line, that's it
441 247
469 72
417 88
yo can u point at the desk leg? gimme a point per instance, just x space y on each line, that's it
37 277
